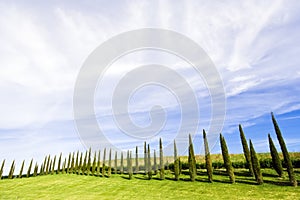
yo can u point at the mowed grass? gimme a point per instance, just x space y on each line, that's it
72 186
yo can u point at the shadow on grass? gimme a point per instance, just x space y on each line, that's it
278 183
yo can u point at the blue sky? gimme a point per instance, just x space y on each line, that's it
255 46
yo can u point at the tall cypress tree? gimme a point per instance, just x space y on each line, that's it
94 163
59 164
77 162
136 160
122 163
208 162
255 165
84 164
29 169
116 162
89 161
176 163
149 164
21 170
192 160
129 165
226 158
64 166
48 165
53 165
41 169
99 163
285 153
155 164
2 167
145 158
103 164
246 150
276 162
69 163
35 171
11 171
80 163
161 161
109 164
44 165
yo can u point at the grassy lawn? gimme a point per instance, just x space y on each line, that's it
72 186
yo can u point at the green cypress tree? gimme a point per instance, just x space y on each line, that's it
47 166
84 165
94 164
161 161
64 166
44 165
129 165
192 160
208 162
109 164
99 163
2 167
155 164
136 160
21 170
103 164
50 166
72 163
41 169
11 171
59 164
145 158
69 163
116 162
276 162
89 161
80 164
149 164
226 158
29 169
246 150
285 153
176 163
122 164
255 165
35 171
77 162
53 165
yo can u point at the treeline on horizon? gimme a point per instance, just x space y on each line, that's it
89 163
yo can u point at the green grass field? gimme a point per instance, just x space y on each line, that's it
72 186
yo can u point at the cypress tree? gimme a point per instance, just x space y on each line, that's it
35 171
145 158
285 153
41 169
149 164
72 163
94 164
246 150
84 165
161 161
176 163
109 164
192 160
53 165
11 171
208 162
77 162
47 166
99 163
129 165
116 162
122 164
80 164
50 166
276 162
255 165
29 169
136 160
155 164
59 164
89 161
226 158
21 170
103 164
44 165
64 166
69 163
2 167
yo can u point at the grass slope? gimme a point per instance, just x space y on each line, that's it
71 186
